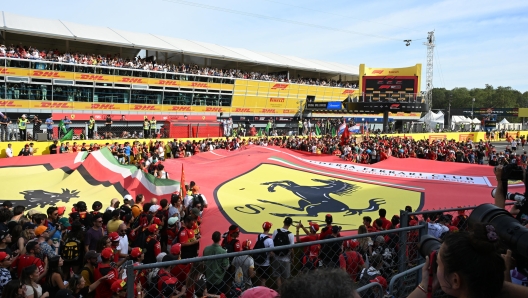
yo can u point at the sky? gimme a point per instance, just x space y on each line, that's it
477 42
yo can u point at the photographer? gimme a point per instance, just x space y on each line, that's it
468 264
500 197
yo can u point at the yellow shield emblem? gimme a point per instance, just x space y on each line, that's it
271 193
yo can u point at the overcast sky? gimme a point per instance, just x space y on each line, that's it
477 42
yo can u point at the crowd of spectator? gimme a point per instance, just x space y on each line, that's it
79 58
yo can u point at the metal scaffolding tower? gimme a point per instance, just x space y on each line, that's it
429 69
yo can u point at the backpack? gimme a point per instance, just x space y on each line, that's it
71 250
229 246
281 238
239 277
260 258
198 199
141 220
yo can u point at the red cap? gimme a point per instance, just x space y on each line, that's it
246 245
61 210
156 221
314 226
118 285
113 236
153 228
3 256
107 253
381 280
234 229
136 252
267 225
351 243
175 249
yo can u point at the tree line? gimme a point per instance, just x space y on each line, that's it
488 97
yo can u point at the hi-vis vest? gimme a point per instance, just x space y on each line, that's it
146 124
91 124
152 124
300 124
22 123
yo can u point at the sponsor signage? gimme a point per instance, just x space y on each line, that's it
334 105
316 105
504 112
279 86
374 107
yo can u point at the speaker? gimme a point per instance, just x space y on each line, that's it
42 137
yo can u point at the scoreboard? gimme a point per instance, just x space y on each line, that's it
390 88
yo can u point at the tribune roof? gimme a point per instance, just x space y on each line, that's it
103 35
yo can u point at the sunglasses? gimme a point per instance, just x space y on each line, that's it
99 221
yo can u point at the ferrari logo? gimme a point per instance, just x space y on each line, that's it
271 192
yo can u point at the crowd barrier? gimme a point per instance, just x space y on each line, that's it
401 262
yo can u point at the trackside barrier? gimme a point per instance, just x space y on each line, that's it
373 288
330 253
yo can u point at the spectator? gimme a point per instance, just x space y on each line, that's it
104 268
9 150
94 234
262 261
5 274
55 277
330 252
113 224
281 262
15 288
319 283
152 244
386 223
215 269
367 221
310 258
30 278
188 240
350 260
230 240
42 238
244 265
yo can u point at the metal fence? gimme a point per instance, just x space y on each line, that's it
229 273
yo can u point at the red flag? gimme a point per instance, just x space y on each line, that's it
345 135
182 183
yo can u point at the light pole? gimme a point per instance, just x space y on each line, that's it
472 103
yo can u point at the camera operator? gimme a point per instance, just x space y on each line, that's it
467 265
500 197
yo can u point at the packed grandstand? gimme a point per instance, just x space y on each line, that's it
283 210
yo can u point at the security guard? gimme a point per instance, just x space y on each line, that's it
300 126
146 127
22 125
91 126
153 127
437 127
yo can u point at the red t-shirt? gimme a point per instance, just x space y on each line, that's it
186 235
352 263
180 272
386 223
25 261
308 249
104 288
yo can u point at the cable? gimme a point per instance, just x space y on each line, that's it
342 16
260 16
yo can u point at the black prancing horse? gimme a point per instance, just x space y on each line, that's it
315 199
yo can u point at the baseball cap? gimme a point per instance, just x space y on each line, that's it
114 236
64 221
153 228
127 198
7 204
234 229
267 225
260 292
156 221
314 226
29 225
118 285
335 229
40 229
33 212
246 245
154 208
3 234
136 252
195 211
381 280
107 253
175 249
91 254
64 293
96 206
159 258
61 210
3 256
172 221
351 243
167 258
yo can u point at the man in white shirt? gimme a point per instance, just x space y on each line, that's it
438 229
9 150
123 240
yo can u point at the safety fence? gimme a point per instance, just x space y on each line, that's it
382 254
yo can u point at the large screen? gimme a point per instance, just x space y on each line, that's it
389 88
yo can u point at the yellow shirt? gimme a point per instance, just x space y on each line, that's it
113 225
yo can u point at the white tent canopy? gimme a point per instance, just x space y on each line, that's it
460 119
432 118
504 121
475 121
